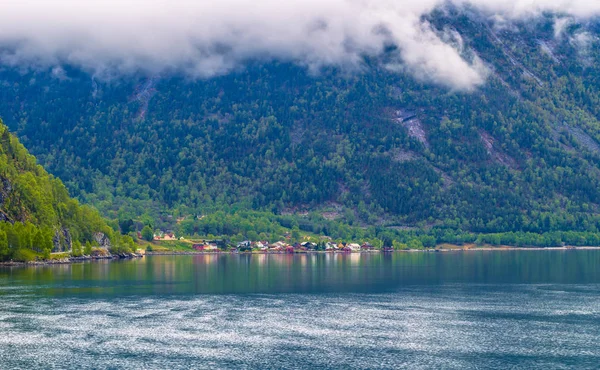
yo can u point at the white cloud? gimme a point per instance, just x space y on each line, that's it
204 38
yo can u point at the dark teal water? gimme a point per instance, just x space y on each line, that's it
523 309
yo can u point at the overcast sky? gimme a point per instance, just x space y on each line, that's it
205 38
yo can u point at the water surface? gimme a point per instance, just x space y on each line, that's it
417 310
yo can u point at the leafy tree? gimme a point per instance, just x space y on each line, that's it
4 250
77 249
415 244
387 242
126 226
147 233
87 249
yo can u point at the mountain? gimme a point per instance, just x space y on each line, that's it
37 216
376 147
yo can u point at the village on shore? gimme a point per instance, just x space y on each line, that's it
285 247
263 246
168 243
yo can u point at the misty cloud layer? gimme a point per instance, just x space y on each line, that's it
207 38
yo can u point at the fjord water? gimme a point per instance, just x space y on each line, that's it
478 309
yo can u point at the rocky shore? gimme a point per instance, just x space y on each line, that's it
70 260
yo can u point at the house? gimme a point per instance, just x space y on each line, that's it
367 247
309 245
169 236
244 244
277 248
353 247
211 248
205 247
299 247
281 245
289 249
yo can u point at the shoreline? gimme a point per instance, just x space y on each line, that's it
73 260
431 250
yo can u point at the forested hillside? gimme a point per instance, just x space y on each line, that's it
370 147
37 216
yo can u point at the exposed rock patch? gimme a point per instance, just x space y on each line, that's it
62 241
413 125
143 94
333 211
583 138
496 154
446 180
102 240
546 48
399 155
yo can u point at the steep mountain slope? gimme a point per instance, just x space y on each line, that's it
36 212
521 153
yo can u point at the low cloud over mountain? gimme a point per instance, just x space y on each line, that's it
207 38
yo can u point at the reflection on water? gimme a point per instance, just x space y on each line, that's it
535 309
306 273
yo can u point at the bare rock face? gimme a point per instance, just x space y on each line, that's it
413 124
62 241
56 247
68 241
102 240
5 189
4 217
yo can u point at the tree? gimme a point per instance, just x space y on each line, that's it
399 246
295 234
5 141
387 241
148 233
77 249
252 235
87 249
4 251
415 244
428 241
126 226
38 241
13 238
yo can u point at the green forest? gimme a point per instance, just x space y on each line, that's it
37 216
372 154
